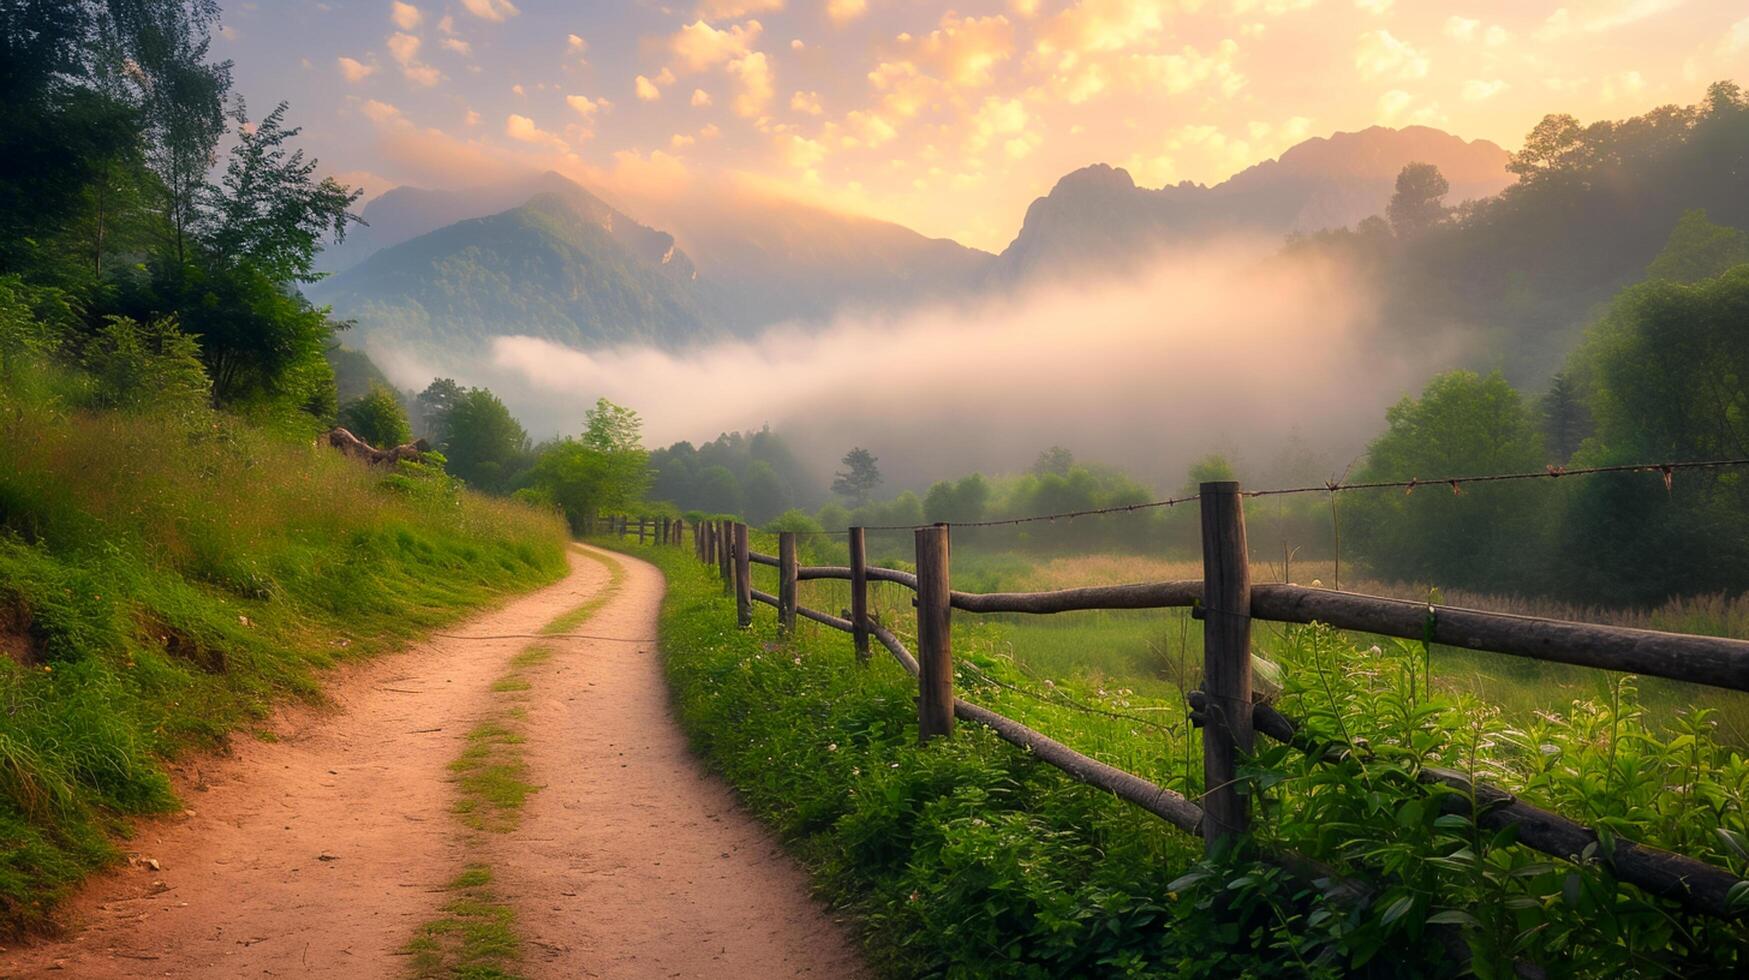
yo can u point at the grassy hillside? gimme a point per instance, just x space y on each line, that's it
166 576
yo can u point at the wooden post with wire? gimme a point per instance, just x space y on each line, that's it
726 555
641 522
1226 631
859 593
787 572
743 579
934 634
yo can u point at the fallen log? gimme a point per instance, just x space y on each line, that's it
350 445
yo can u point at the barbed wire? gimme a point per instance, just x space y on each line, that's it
1456 483
1666 470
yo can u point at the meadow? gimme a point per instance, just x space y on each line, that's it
1648 761
166 577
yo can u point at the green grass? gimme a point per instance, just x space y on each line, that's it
165 579
967 858
474 939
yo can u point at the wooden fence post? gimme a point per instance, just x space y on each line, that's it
859 593
1226 661
710 542
641 522
622 525
934 634
725 555
786 581
743 579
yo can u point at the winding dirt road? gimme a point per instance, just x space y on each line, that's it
319 854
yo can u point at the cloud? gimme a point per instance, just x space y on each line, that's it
1597 16
807 102
575 44
1381 55
458 45
354 70
405 15
405 48
523 130
754 83
1104 25
699 46
381 113
1623 85
646 89
963 50
1398 108
1302 346
1461 28
446 24
1189 68
1480 90
800 152
844 11
496 11
681 141
1736 40
700 98
1276 8
584 106
997 116
727 9
1374 6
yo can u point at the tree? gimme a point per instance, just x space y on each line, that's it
1486 536
150 365
1566 420
1699 249
957 502
378 418
765 495
432 407
270 211
1417 205
611 428
1213 468
1555 145
483 443
606 470
1054 460
857 482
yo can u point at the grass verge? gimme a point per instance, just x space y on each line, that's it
967 858
164 579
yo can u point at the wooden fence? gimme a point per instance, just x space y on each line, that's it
1227 603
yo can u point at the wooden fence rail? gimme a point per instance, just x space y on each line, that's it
1227 603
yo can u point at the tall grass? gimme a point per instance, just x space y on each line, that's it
165 577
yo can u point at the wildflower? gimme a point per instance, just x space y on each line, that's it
831 746
1317 583
1374 650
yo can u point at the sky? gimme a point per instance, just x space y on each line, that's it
948 118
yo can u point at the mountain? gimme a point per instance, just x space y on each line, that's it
404 213
765 259
1098 217
564 266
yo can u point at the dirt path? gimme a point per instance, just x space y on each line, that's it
321 853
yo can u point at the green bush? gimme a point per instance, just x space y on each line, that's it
378 418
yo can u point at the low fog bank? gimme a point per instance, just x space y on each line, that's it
1230 349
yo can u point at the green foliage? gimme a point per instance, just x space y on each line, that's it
607 470
857 481
1418 206
481 441
152 365
959 501
378 418
1486 536
214 569
752 474
1699 249
1670 381
969 858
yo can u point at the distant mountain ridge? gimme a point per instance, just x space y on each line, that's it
543 256
564 266
1098 217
